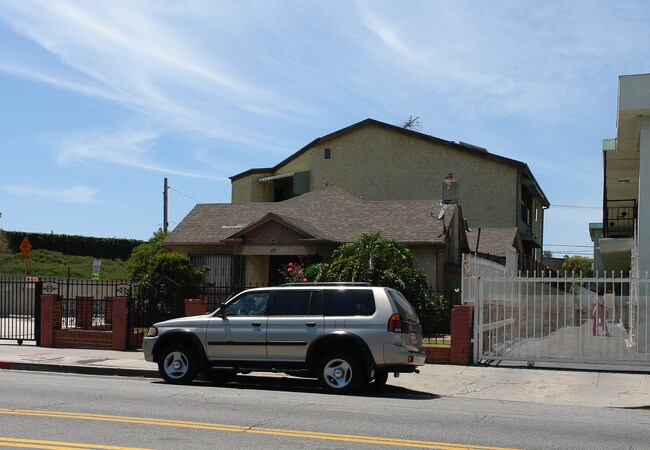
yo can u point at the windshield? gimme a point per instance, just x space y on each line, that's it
249 304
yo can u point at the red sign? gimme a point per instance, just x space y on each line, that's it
25 247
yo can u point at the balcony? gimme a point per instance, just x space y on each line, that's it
620 217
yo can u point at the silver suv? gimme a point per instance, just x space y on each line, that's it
345 335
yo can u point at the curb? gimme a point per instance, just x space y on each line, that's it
83 370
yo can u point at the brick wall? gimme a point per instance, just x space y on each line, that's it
83 335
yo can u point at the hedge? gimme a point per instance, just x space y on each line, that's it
108 248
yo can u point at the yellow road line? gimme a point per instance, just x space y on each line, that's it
35 443
250 429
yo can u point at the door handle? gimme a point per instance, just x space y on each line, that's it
311 324
257 324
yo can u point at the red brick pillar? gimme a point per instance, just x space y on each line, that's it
120 319
50 318
462 333
195 307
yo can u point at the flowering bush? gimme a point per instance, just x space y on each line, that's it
293 272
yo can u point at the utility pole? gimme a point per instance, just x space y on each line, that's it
165 188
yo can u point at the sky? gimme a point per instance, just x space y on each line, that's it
100 101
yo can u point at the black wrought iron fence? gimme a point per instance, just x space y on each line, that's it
436 317
87 313
156 302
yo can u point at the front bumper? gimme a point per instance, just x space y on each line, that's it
147 348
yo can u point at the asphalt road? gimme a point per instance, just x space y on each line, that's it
64 410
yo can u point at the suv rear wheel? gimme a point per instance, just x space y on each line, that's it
340 372
178 364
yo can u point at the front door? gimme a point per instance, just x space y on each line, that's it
241 335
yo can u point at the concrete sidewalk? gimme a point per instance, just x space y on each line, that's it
550 386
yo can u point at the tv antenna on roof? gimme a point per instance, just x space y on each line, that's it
411 123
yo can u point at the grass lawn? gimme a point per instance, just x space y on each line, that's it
444 341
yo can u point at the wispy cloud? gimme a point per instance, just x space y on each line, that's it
157 61
509 59
76 194
124 148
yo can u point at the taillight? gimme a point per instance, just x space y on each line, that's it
395 324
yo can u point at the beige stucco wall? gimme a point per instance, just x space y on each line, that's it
396 166
249 189
256 270
426 259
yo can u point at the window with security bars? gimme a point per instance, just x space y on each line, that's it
225 270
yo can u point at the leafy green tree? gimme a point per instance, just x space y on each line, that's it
379 261
578 265
173 269
4 247
164 278
143 255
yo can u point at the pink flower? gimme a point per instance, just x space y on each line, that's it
304 280
289 269
290 264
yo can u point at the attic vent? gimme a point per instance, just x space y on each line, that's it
473 147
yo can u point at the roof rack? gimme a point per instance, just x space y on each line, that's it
331 283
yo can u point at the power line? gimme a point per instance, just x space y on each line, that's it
185 195
576 206
567 245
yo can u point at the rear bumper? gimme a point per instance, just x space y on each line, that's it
403 359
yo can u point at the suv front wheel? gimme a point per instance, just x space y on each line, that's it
178 364
340 372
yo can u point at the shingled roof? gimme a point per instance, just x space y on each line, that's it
327 215
492 241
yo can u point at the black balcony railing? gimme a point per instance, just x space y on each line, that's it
620 217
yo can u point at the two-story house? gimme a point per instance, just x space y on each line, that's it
377 161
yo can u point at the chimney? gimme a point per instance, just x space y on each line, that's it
449 194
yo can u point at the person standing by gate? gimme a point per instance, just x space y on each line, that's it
598 314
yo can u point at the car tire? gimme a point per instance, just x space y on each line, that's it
178 364
378 381
340 373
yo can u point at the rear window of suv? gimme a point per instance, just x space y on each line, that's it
404 308
348 302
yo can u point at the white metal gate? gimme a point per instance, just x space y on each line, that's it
540 319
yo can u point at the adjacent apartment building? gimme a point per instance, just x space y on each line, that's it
622 240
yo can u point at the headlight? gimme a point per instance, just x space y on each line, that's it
153 331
